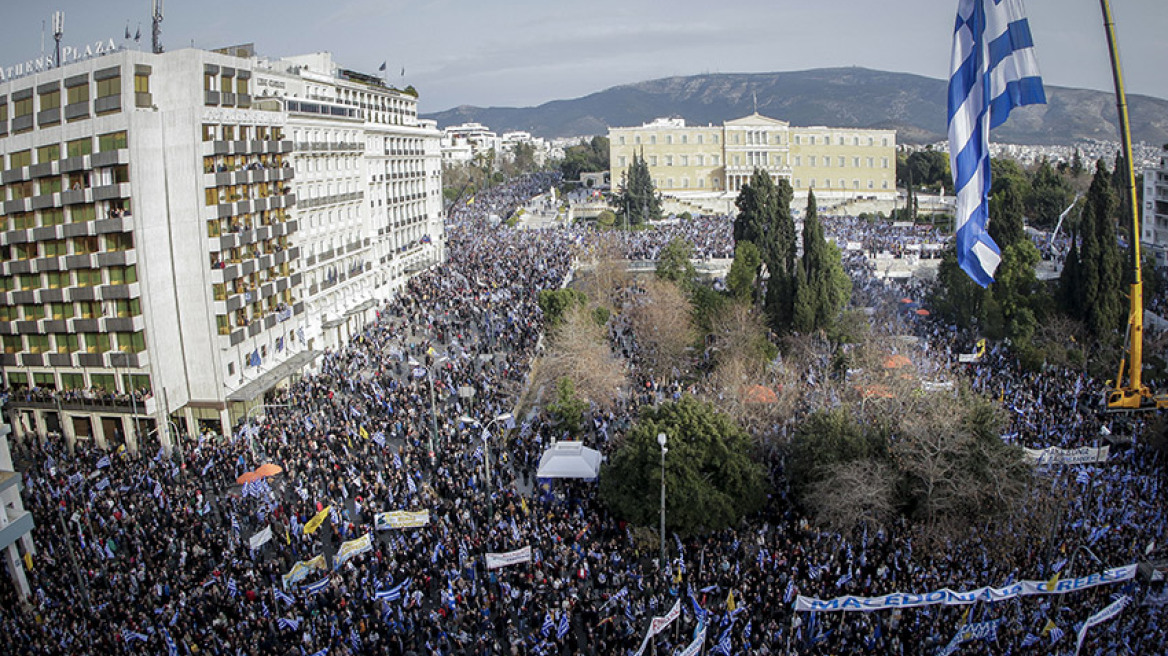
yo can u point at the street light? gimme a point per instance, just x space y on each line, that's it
250 416
487 451
433 408
661 439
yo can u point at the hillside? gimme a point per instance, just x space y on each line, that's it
839 97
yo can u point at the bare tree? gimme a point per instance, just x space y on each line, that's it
663 326
852 493
578 350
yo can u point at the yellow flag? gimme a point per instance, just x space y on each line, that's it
28 561
316 520
1050 585
317 562
523 504
470 201
1046 629
364 433
981 347
964 616
430 351
730 605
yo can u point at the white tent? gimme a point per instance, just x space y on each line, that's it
569 460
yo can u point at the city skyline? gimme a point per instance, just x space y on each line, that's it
526 53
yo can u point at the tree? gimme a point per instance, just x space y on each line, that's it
587 157
555 303
1016 290
925 168
674 263
957 298
822 286
853 493
1006 208
764 218
579 352
639 200
1049 195
712 479
567 410
662 325
1099 269
743 270
606 219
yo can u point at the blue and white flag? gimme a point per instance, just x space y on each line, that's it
563 627
316 588
171 647
394 593
992 70
129 635
102 484
284 596
548 625
207 467
379 438
232 589
104 462
289 623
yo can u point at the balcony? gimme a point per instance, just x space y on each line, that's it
18 523
112 191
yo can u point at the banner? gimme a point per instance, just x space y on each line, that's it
950 598
497 560
353 548
1098 618
980 631
659 624
301 570
401 519
316 520
260 539
1055 456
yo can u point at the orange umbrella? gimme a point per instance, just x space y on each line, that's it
897 361
906 300
269 469
760 394
923 312
248 477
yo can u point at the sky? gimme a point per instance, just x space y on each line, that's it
527 52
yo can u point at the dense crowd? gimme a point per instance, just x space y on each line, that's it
151 552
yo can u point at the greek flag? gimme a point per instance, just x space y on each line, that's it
992 70
102 484
316 588
232 589
284 596
171 647
289 623
563 627
723 647
379 438
548 625
128 635
394 593
104 462
207 467
397 461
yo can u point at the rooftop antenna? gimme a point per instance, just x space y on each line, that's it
58 31
755 96
156 17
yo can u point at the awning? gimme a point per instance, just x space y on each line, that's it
268 379
365 305
569 460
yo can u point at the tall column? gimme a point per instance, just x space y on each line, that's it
67 430
225 419
16 566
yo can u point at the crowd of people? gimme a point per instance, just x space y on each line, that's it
152 552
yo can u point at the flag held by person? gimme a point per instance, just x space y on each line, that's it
316 520
992 70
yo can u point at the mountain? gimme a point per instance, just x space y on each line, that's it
914 105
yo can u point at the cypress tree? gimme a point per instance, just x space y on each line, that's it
1099 259
1006 207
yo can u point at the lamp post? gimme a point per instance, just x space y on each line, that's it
433 407
487 451
250 416
661 439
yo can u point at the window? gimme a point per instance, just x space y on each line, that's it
841 162
55 248
141 83
88 277
82 213
123 275
3 111
811 160
119 241
701 139
58 279
48 186
623 160
12 344
38 343
84 245
109 87
652 160
28 281
103 381
225 84
78 94
798 162
33 312
72 381
25 251
61 311
855 162
22 107
621 140
51 100
685 160
96 343
669 160
653 139
224 324
48 153
208 82
7 313
111 141
66 344
871 162
131 342
713 138
669 139
685 138
883 162
19 159
79 147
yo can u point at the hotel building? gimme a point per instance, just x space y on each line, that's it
196 227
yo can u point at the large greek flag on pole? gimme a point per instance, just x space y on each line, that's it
992 70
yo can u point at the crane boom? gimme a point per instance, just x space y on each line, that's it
1131 394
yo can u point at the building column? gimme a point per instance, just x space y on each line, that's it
225 420
67 430
16 566
98 427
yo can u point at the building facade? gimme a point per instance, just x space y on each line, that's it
715 161
158 273
1154 222
16 523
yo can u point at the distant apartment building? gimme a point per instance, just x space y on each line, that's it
461 144
181 232
717 160
1154 225
16 523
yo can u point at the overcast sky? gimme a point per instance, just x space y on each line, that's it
526 52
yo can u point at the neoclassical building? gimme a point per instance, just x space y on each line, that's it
716 160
